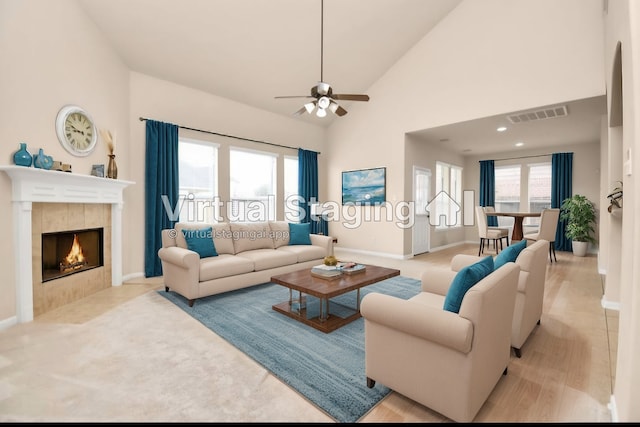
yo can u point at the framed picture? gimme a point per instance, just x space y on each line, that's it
364 186
97 170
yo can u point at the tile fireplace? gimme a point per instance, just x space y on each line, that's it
56 200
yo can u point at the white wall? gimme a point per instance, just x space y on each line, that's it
485 58
623 25
52 55
168 102
57 57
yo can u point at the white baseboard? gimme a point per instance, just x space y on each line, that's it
371 253
611 305
7 323
132 276
450 245
612 409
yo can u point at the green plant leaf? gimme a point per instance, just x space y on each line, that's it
580 214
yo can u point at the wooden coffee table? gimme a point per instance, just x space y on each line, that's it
305 284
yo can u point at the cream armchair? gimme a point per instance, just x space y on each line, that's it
449 362
532 261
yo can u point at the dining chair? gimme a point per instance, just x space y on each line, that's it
493 209
487 234
547 230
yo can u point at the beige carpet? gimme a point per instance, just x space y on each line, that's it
144 360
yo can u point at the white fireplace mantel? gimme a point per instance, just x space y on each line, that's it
38 185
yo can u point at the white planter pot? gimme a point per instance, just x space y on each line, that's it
579 248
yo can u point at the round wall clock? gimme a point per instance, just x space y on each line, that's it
76 130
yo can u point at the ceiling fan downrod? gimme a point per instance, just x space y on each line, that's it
323 97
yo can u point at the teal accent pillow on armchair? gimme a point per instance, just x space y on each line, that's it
509 254
299 233
464 280
200 241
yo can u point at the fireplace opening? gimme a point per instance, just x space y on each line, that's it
69 252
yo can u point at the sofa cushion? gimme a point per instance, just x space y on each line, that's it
221 234
279 233
181 242
223 266
264 259
305 252
429 298
509 254
464 280
200 241
251 235
222 238
299 233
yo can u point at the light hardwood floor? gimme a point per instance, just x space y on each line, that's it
565 374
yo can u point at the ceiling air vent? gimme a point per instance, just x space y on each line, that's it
542 114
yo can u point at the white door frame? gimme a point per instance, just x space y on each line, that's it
420 233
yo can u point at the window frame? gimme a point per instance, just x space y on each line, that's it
201 203
250 206
456 195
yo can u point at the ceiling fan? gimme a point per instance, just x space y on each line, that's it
322 95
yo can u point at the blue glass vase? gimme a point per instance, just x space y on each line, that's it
42 161
22 157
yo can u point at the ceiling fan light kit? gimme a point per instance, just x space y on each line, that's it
324 98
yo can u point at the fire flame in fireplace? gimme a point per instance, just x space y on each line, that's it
75 259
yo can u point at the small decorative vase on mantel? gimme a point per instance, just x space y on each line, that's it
22 157
112 168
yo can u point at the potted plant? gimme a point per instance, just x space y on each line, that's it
580 214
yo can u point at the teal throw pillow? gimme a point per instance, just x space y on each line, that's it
200 241
509 254
464 280
299 233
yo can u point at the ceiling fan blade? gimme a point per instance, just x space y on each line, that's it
350 97
300 111
308 107
293 96
340 111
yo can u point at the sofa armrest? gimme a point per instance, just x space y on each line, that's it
433 324
168 237
325 242
460 261
180 257
437 280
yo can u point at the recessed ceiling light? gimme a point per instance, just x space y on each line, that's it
519 144
501 129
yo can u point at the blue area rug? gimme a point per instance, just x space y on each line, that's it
328 369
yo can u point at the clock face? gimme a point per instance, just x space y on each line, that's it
76 130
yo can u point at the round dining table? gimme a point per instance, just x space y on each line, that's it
518 217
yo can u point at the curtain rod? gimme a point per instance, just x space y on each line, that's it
142 119
521 157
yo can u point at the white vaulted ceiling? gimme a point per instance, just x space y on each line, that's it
251 51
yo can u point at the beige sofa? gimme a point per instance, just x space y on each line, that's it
247 254
533 274
449 362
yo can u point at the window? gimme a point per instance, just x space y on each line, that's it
507 197
198 181
523 188
291 214
449 203
539 187
539 190
252 185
